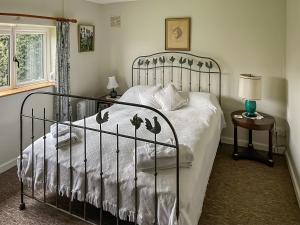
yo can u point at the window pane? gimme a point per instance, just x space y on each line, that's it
29 52
4 59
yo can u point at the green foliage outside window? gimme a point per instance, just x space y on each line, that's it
29 52
4 60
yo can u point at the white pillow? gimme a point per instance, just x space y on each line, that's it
170 99
132 94
147 96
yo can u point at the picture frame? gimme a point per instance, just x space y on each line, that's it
178 34
86 38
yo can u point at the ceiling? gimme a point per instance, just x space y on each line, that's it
109 1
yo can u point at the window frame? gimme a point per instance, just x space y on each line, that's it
13 30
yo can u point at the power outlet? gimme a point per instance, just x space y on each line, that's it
115 21
280 149
281 132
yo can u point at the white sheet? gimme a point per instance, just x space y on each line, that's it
198 126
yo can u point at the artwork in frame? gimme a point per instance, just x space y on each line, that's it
178 34
86 34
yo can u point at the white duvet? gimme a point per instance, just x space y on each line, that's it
198 126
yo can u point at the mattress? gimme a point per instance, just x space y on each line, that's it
198 126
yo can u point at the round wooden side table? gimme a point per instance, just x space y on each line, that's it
266 123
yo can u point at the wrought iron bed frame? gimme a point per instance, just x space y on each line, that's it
181 61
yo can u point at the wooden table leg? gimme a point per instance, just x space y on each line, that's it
235 151
270 154
250 144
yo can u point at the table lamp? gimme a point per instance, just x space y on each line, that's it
112 84
250 91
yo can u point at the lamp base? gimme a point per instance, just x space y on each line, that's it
251 116
250 107
113 93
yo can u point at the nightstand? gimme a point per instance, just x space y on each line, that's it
101 105
266 123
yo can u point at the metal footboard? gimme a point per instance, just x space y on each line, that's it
101 118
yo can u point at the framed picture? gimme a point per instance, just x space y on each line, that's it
178 34
86 36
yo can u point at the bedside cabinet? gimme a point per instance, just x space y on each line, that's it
266 123
101 105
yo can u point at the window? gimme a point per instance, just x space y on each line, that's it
30 56
5 47
24 56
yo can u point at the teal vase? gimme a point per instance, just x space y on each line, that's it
250 107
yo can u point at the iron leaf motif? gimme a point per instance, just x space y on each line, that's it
162 60
172 59
136 121
200 64
182 60
190 62
154 61
140 62
104 119
147 62
156 128
209 64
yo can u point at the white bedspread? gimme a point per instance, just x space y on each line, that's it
198 126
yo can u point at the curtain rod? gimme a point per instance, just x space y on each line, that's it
39 17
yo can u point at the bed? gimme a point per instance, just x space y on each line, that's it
108 178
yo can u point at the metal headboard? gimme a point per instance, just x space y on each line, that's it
187 71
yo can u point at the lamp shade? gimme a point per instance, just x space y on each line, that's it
112 83
250 87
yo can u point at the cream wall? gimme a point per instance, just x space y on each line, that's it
10 127
87 69
243 36
293 78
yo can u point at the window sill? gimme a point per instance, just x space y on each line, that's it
25 89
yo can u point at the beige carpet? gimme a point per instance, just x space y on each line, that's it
249 193
239 193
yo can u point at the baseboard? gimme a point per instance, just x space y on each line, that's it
8 165
244 143
296 182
